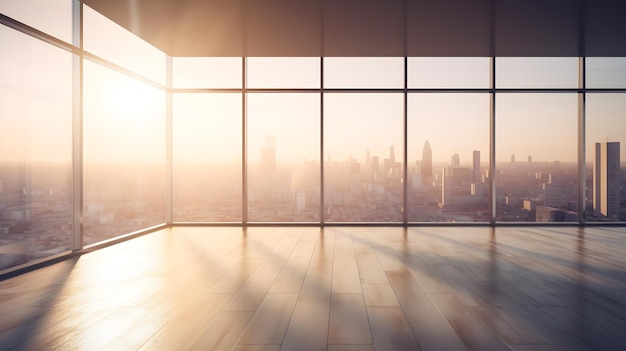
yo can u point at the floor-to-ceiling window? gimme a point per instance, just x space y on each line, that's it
536 140
283 139
290 139
448 139
605 186
124 136
207 139
363 139
35 149
536 157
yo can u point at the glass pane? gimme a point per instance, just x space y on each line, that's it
537 72
53 17
283 72
606 142
36 155
448 157
206 72
536 157
206 135
364 72
107 39
449 72
363 143
124 154
283 157
606 72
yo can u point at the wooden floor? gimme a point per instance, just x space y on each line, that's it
337 288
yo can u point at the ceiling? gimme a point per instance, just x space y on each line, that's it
374 27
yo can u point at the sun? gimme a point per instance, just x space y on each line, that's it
135 103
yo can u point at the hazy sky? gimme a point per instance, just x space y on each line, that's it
35 99
125 119
452 124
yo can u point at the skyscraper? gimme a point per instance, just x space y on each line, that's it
427 165
455 161
606 192
476 167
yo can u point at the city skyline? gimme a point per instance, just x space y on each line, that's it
92 115
358 120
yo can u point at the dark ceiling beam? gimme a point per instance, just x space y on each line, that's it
374 27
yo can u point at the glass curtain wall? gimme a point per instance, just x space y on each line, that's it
124 136
536 157
35 149
206 132
124 154
363 139
605 185
283 140
283 157
537 140
207 139
363 157
448 139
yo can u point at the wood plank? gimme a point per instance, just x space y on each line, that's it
291 277
350 347
346 277
256 348
236 276
555 333
475 334
577 322
380 295
180 330
534 348
519 288
509 326
103 332
390 329
223 332
308 327
348 320
431 329
270 321
370 269
251 293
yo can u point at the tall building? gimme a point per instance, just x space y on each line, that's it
476 177
392 156
375 165
427 165
606 182
445 187
455 161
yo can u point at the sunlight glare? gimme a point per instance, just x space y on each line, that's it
128 100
